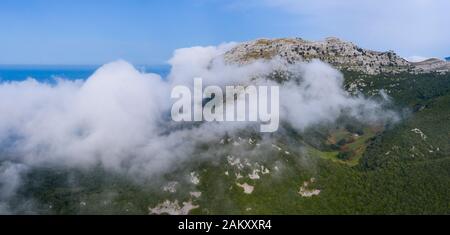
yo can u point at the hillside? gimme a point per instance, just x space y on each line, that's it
344 167
433 65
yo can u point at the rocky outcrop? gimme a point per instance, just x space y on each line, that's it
433 65
341 54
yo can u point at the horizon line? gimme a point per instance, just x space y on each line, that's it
75 64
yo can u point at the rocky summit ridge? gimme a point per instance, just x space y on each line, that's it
339 53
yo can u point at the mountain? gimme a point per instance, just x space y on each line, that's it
347 167
341 54
447 58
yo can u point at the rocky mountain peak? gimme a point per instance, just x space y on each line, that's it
341 54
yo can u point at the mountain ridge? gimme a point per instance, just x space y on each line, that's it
342 54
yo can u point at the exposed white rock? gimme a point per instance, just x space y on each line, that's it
173 208
195 178
264 170
306 192
196 194
255 175
248 189
419 132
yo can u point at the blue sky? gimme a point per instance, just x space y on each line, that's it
147 32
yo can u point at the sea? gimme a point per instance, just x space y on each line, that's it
49 73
